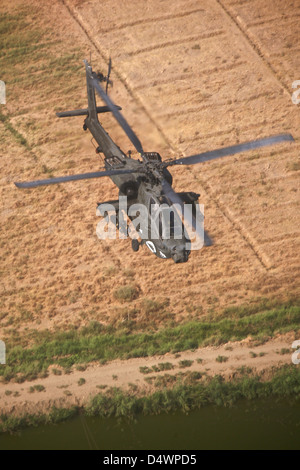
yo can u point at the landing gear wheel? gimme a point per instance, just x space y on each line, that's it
84 127
135 245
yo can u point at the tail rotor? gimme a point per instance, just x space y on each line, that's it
106 79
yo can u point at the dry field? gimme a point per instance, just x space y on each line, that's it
190 76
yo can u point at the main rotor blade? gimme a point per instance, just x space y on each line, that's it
65 179
171 194
176 199
118 116
223 152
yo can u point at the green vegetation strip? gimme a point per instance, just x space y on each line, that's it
99 343
285 383
18 136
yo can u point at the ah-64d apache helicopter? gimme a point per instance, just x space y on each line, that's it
145 181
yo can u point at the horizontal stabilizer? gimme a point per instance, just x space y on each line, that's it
85 112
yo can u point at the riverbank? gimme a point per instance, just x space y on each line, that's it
187 394
55 374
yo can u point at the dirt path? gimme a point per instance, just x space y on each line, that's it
64 390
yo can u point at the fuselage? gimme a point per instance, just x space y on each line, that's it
143 187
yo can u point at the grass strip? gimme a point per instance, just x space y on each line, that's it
17 135
212 391
99 343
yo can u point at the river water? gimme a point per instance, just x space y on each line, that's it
263 424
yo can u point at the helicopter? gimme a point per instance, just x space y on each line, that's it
146 180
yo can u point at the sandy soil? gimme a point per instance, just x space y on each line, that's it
64 390
190 76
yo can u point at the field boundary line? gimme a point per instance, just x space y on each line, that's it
253 45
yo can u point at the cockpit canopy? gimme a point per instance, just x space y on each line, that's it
165 220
